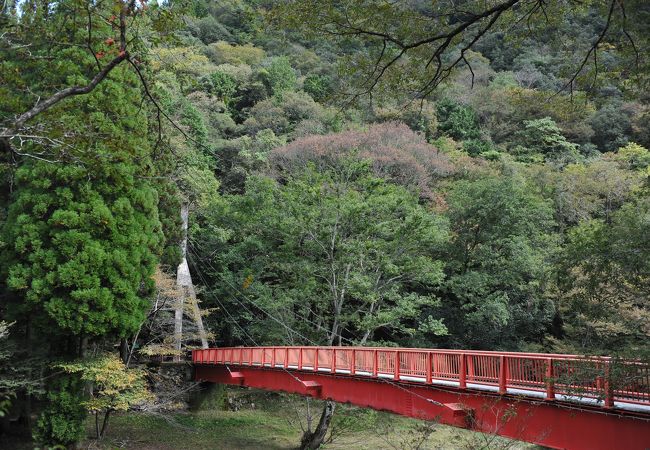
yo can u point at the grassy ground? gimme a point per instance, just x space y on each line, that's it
258 429
273 422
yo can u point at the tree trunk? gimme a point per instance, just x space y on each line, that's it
83 346
105 424
124 350
313 441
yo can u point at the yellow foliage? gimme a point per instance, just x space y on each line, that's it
223 53
247 282
185 60
115 388
560 108
633 156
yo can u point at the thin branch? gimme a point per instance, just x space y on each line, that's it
158 107
592 49
89 40
628 36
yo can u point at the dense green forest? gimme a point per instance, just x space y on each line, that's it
351 178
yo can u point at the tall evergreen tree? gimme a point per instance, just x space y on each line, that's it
82 235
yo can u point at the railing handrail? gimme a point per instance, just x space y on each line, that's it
523 373
445 350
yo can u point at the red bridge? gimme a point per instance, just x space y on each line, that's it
559 401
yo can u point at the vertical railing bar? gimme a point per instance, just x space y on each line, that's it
462 375
609 392
397 364
375 363
550 382
502 374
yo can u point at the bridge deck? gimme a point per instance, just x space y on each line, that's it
561 401
595 381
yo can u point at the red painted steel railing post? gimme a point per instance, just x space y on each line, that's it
273 357
375 363
550 382
397 365
429 363
333 369
462 375
353 366
300 358
263 356
609 391
502 374
286 357
315 365
241 355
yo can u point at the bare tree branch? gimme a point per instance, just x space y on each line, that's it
593 49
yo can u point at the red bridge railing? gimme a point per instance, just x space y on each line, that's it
598 380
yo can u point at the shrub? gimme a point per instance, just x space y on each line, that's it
62 422
283 115
279 76
221 85
224 53
475 147
419 116
456 120
318 86
210 30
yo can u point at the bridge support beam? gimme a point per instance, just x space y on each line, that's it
552 424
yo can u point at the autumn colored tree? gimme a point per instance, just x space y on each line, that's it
395 152
114 387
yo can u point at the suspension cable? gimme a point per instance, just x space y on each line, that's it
290 329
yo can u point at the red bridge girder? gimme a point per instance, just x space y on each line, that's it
484 393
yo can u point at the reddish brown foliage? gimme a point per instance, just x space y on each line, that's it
395 151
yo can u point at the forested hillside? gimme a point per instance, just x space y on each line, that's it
351 177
